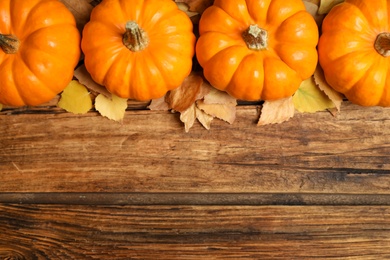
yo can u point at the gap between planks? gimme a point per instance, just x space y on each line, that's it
250 199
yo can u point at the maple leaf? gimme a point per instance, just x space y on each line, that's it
327 5
333 95
75 98
181 98
85 78
277 111
310 98
113 108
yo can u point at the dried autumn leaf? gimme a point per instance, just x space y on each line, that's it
327 5
188 117
216 96
276 112
159 104
316 2
181 98
81 10
75 98
226 112
312 8
309 98
85 78
204 118
335 97
113 108
185 8
196 5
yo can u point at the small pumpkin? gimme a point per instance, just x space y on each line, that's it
39 49
257 49
354 51
138 49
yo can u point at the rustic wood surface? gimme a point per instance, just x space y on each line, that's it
85 187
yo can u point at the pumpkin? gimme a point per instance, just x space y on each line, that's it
138 49
39 49
354 51
257 49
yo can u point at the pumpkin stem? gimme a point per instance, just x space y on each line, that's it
9 43
135 39
256 38
382 44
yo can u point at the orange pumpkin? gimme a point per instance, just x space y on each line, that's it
138 49
257 49
354 51
39 49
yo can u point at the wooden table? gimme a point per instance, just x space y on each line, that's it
84 187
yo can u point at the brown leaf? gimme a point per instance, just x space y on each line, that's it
276 112
196 5
181 98
333 95
85 78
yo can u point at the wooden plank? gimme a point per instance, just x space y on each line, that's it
254 199
193 232
150 152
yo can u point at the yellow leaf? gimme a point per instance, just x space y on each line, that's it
309 98
113 108
276 112
75 98
336 97
1 107
327 5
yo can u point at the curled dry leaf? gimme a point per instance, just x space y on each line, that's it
85 78
334 96
310 98
277 111
75 98
113 108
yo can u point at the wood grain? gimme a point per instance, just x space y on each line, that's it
193 232
150 152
